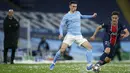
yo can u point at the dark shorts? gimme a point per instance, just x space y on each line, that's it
107 44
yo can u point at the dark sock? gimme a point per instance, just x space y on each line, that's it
102 58
101 63
104 63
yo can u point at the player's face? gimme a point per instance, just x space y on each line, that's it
73 7
10 13
115 19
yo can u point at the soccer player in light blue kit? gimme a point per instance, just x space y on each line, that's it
73 22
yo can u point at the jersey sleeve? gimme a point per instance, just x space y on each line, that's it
63 22
123 26
85 16
104 26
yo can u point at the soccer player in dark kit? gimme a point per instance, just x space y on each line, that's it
112 35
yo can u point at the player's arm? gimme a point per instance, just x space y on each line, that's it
126 34
61 31
63 22
96 31
5 26
88 16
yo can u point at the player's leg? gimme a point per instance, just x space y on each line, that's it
107 58
111 54
119 55
104 57
103 60
89 56
88 46
107 50
5 55
118 52
13 55
83 42
58 54
61 51
66 42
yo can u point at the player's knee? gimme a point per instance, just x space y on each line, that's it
107 59
62 50
107 50
90 47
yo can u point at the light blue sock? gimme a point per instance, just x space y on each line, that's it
89 56
56 56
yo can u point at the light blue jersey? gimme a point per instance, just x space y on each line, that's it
73 23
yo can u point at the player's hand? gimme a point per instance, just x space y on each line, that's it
92 38
123 36
94 15
60 36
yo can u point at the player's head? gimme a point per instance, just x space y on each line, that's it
73 6
115 17
43 38
10 12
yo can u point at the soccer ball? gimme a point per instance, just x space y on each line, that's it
96 68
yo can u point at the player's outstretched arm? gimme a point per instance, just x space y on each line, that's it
88 16
126 34
95 33
61 31
63 22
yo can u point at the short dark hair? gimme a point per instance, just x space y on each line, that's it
72 2
115 13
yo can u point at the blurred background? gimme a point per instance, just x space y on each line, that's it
40 19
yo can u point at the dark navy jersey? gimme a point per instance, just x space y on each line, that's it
112 32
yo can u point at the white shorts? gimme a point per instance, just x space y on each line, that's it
69 39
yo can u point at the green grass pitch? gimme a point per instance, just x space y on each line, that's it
114 67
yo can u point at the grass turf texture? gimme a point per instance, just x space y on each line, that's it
120 67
